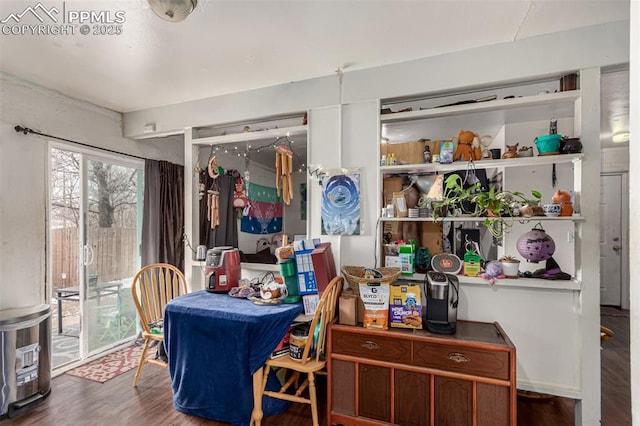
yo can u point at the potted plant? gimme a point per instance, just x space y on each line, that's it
454 197
494 205
510 266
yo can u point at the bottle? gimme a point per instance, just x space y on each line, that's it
427 154
394 160
553 126
383 160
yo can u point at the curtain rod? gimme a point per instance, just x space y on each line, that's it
26 130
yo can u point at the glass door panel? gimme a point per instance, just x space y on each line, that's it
111 254
64 235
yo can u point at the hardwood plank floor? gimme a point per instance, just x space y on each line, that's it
76 401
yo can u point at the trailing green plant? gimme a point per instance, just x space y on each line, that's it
495 206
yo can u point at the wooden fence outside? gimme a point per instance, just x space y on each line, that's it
114 255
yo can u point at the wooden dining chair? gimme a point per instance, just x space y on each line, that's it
313 358
153 287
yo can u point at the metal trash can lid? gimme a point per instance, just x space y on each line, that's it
16 315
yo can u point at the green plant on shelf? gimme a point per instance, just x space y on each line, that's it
497 207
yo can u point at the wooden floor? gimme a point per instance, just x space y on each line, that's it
76 401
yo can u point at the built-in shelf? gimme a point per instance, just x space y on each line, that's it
574 218
482 164
266 267
563 100
252 136
571 285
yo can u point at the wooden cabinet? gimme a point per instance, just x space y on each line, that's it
413 377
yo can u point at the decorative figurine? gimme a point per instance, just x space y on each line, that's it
512 151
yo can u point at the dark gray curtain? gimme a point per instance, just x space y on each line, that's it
163 215
225 234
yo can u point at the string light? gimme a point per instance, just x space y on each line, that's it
279 140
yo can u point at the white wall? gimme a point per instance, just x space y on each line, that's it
23 167
615 159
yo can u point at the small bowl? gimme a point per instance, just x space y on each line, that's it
525 151
552 210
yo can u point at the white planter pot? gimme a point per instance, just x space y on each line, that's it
510 269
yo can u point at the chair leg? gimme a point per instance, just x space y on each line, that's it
313 399
143 358
265 376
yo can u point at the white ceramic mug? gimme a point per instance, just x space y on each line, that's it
552 209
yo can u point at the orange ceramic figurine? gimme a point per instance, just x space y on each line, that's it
564 199
512 151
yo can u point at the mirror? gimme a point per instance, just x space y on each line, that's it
255 160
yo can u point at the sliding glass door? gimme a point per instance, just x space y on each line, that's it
95 228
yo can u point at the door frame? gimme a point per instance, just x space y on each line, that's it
87 154
624 237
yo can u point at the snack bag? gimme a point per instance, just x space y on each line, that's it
405 306
376 304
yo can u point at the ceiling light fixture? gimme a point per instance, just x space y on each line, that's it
173 10
621 137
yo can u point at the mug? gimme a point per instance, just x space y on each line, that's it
495 153
552 209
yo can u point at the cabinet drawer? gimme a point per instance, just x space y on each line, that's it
372 347
480 362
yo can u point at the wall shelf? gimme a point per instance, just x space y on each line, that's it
252 136
532 105
482 164
574 218
560 285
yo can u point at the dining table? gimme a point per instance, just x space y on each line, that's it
217 346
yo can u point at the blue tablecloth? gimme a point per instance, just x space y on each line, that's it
215 343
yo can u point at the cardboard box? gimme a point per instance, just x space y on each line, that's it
391 261
393 230
405 306
431 237
406 152
389 186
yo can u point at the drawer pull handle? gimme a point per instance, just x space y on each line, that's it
458 357
370 345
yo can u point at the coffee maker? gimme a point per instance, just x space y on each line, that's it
442 291
222 269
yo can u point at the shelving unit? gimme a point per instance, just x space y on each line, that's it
520 303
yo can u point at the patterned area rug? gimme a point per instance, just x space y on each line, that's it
112 365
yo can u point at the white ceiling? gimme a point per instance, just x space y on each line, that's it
228 46
231 46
